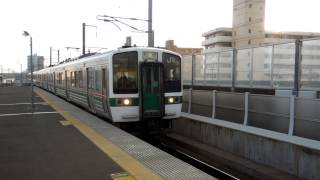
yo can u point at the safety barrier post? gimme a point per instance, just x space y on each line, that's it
234 60
246 108
297 68
292 112
193 72
190 96
214 92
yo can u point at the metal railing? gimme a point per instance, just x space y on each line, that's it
292 65
290 115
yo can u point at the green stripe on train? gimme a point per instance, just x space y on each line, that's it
135 101
119 101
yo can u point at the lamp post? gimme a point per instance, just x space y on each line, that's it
25 33
84 36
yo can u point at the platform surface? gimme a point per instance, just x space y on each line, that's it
62 141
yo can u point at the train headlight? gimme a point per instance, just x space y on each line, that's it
171 100
126 102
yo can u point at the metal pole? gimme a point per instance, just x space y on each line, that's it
292 113
193 64
214 93
31 57
234 60
50 56
218 70
272 68
251 68
58 56
297 68
83 38
150 31
246 108
190 100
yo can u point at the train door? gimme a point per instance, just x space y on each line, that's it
47 81
54 82
90 88
104 90
151 90
66 83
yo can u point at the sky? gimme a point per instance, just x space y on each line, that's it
58 24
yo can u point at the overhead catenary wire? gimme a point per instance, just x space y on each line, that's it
116 19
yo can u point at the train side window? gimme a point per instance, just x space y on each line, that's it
72 79
125 72
91 79
98 80
60 78
80 79
76 84
103 78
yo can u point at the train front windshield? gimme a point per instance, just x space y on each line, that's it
172 72
125 73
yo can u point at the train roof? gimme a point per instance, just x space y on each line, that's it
98 55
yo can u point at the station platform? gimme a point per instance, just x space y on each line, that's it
57 140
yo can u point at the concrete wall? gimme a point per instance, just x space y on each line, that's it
293 159
264 111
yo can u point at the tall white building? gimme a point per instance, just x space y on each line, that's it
248 29
38 62
262 66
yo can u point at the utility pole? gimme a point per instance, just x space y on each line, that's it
32 91
150 31
58 56
83 38
50 56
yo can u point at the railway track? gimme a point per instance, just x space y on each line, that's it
162 143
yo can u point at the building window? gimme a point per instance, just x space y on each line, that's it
249 42
249 30
249 19
250 5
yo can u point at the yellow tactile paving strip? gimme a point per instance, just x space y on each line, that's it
123 159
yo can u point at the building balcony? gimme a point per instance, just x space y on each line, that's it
216 50
217 39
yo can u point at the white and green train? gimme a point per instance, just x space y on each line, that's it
124 85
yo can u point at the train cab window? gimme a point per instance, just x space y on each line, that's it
125 73
172 72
